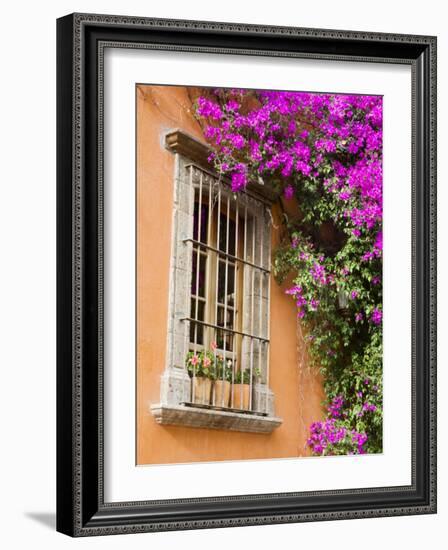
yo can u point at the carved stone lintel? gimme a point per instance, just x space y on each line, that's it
178 141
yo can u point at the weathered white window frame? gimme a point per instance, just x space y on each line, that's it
192 172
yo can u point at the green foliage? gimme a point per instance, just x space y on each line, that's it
243 377
338 297
361 384
201 364
223 369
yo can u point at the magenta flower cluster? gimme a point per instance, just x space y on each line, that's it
296 137
334 408
376 316
296 291
332 436
324 435
277 143
302 304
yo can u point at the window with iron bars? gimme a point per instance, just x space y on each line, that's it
228 325
219 301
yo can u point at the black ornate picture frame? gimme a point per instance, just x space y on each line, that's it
81 508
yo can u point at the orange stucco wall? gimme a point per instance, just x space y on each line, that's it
297 387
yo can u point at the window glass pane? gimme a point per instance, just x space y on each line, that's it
197 330
230 283
232 228
223 336
223 234
221 287
200 215
199 282
228 337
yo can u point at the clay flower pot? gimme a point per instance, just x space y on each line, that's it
221 393
241 394
201 390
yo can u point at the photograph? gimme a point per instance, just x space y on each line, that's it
259 257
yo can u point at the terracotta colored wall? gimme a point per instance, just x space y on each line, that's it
297 388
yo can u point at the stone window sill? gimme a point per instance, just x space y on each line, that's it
198 417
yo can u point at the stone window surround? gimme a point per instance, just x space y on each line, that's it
175 382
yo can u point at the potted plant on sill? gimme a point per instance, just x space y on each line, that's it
222 382
242 387
200 367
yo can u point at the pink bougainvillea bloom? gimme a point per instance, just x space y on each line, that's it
232 105
376 316
236 140
239 181
207 108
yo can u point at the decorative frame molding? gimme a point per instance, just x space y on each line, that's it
81 39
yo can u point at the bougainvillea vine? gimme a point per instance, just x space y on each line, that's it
323 151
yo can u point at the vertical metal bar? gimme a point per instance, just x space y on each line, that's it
185 352
198 256
226 276
243 338
218 229
192 195
235 300
198 263
252 312
260 298
209 331
268 328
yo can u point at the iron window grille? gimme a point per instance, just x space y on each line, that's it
230 288
220 277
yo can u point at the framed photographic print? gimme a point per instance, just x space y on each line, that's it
246 274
